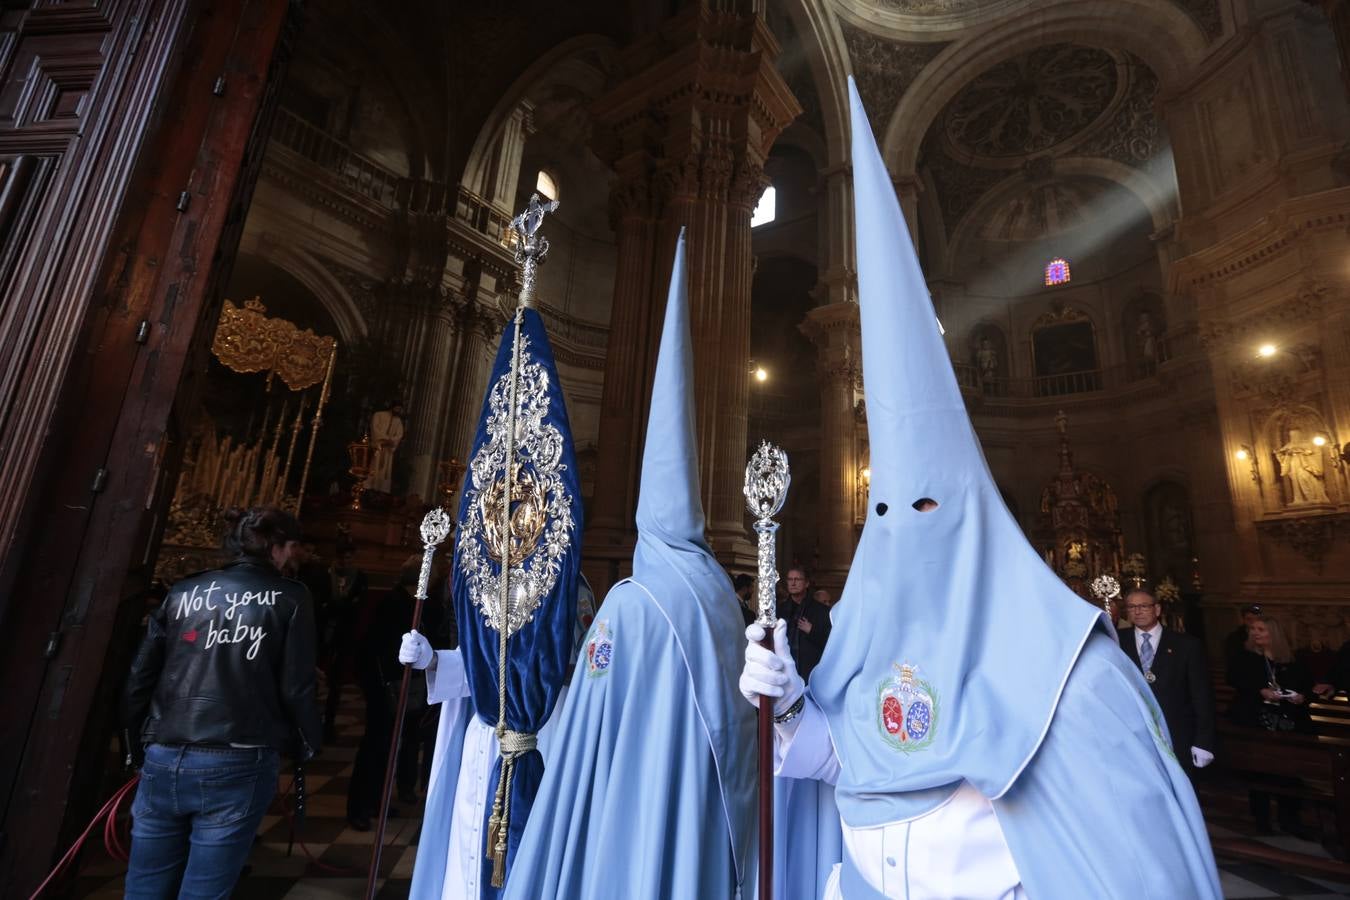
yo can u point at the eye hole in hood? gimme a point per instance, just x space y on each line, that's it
925 504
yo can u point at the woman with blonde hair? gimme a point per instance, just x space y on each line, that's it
1272 693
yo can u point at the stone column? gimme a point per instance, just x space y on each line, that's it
686 129
835 331
415 329
478 328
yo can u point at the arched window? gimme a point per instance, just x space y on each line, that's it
1057 272
547 185
766 208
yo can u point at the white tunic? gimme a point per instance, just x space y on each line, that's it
464 858
955 851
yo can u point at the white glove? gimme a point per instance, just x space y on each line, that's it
1201 758
415 651
770 674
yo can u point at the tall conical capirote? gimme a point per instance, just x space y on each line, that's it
952 639
675 571
669 508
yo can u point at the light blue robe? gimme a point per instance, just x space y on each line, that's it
649 791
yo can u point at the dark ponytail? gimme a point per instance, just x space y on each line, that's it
252 533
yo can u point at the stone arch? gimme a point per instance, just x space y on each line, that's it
1157 31
827 57
318 279
567 61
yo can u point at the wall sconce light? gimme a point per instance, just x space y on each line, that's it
864 482
1245 453
758 372
1319 440
1267 350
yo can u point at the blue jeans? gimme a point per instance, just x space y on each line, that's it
194 818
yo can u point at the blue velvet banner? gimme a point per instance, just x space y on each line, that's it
545 557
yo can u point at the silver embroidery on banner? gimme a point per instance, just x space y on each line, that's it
541 506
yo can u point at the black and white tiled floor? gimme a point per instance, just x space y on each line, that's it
340 855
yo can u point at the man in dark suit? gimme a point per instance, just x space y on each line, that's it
1173 663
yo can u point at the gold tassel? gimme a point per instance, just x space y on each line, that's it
499 865
495 820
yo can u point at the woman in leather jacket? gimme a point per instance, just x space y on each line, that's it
223 683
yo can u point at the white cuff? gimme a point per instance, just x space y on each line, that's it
1201 758
448 680
806 751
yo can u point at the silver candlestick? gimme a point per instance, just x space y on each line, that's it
766 486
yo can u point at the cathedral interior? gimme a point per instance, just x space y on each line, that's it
1133 217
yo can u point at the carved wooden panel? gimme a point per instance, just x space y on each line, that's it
62 67
110 286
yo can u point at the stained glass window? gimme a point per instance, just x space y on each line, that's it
1057 272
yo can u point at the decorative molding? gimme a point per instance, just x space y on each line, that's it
1058 314
1311 535
884 69
1305 305
1034 103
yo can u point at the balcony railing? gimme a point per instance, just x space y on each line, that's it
359 173
968 377
372 180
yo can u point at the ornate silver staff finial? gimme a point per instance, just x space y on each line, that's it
435 529
532 246
766 486
1106 588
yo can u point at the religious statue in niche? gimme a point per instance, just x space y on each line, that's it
386 433
986 357
1146 334
1303 469
989 356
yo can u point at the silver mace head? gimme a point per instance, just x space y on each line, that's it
435 529
766 481
532 246
766 485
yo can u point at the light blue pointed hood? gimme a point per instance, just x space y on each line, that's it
952 639
675 570
669 510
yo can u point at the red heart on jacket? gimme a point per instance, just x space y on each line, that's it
190 636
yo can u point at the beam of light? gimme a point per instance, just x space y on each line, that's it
1020 271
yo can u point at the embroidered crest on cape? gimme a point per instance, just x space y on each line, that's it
599 650
541 518
1156 721
907 710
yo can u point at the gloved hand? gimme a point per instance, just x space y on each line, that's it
1201 758
770 674
416 651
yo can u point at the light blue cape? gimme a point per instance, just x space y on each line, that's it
650 788
956 654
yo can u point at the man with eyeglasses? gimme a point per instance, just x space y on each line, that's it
1174 666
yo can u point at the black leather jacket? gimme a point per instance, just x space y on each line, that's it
228 658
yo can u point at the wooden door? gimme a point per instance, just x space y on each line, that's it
130 134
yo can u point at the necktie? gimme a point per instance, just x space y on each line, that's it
1146 651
